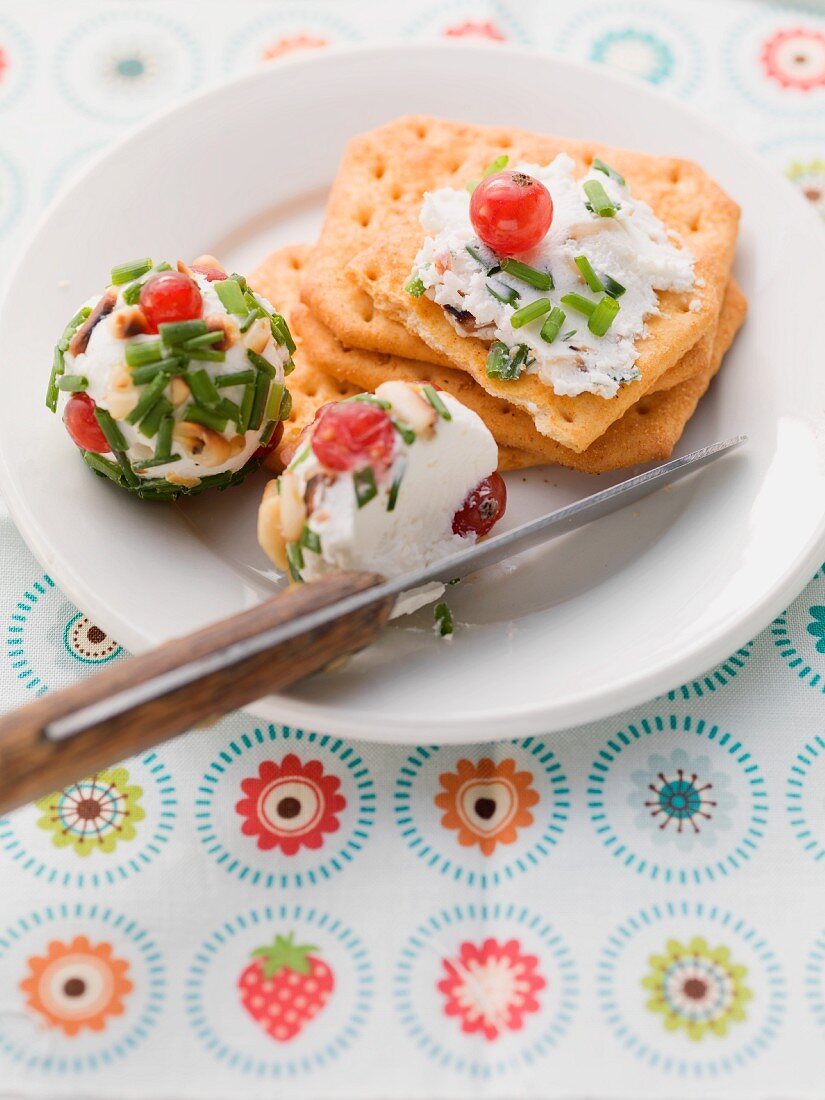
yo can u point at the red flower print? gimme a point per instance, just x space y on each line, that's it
491 988
475 30
4 63
796 58
290 805
289 45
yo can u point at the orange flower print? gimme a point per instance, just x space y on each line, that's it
486 802
76 985
288 45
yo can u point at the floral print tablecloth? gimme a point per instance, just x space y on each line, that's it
631 909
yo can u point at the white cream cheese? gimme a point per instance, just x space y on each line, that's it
634 248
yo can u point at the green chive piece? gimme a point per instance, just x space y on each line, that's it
125 273
310 540
240 280
197 414
150 423
139 353
552 326
579 303
140 375
365 487
131 294
285 409
369 399
603 315
175 333
569 334
518 358
203 388
599 199
266 434
611 287
129 475
530 312
289 367
157 460
504 362
239 378
73 383
164 443
496 359
503 293
261 393
273 401
295 557
600 166
407 434
230 410
431 394
260 363
541 280
114 436
204 341
280 332
103 466
589 275
250 318
444 625
247 402
414 286
490 268
72 327
392 498
148 398
58 366
231 295
494 166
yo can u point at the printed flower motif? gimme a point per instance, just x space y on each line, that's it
817 626
795 58
289 45
472 29
290 805
95 814
76 985
682 800
697 988
491 988
88 643
127 65
486 802
638 53
4 64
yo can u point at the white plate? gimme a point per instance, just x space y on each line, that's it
598 621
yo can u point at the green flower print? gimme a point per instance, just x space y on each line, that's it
95 814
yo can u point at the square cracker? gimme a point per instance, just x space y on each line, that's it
382 179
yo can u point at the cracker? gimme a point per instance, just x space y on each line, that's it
382 178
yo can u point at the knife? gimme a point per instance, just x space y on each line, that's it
195 679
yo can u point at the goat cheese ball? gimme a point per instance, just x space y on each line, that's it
385 483
171 381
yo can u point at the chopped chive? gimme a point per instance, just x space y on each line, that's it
125 273
589 275
58 366
73 383
541 280
103 466
259 402
231 295
414 286
148 398
247 402
310 540
205 340
261 363
174 333
157 460
164 441
151 422
600 166
504 362
113 434
571 332
599 199
280 332
230 410
431 394
365 487
289 367
250 319
203 388
370 399
407 434
285 409
140 375
494 166
392 499
239 378
578 302
72 327
197 414
490 268
518 358
241 281
444 625
273 401
611 287
503 293
603 315
530 312
496 359
295 558
129 475
131 294
266 434
139 353
552 325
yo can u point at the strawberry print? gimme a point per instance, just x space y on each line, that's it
491 988
285 987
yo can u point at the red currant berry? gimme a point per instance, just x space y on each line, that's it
266 449
351 434
511 212
82 426
170 296
482 508
212 274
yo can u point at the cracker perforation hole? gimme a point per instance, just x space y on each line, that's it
676 173
421 131
378 170
364 216
396 191
295 263
366 309
695 222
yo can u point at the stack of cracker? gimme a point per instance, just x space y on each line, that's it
356 326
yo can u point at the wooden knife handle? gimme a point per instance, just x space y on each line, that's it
32 765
